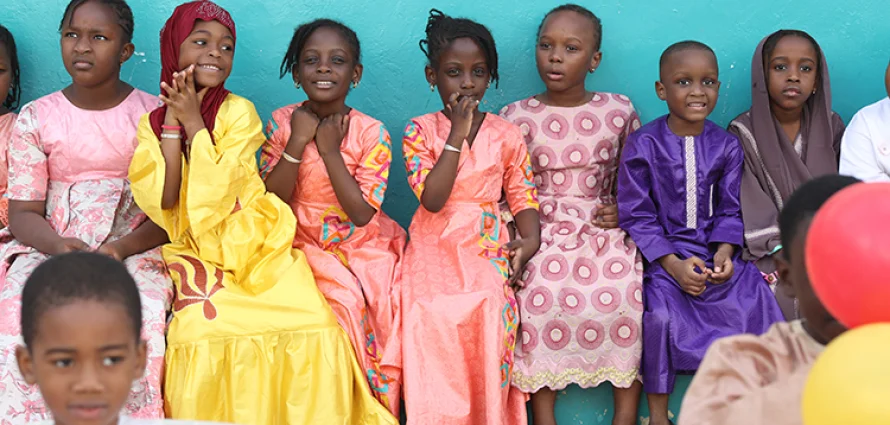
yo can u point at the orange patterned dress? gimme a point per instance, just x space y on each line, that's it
459 315
354 267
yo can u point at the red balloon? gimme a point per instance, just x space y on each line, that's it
848 254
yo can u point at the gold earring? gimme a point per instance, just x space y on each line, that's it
432 87
297 85
355 84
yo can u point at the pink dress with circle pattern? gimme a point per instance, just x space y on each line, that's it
581 308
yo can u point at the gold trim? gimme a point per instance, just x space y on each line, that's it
575 376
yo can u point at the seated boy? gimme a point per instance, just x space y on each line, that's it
758 380
678 198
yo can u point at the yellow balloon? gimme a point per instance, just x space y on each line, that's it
850 382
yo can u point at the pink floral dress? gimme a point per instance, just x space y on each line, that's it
582 303
77 162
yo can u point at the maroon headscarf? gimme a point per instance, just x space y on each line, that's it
175 31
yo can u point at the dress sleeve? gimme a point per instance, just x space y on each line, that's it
372 173
276 140
760 213
220 169
740 383
630 125
637 213
28 165
418 155
147 175
519 181
858 154
728 227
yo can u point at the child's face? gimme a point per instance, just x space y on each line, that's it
5 74
327 66
84 358
462 70
792 72
94 45
565 52
689 84
211 48
793 278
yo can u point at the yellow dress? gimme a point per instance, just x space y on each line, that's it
252 340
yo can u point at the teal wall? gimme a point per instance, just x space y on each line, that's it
853 34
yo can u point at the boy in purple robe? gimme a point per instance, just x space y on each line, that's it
678 198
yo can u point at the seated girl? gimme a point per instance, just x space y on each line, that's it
252 340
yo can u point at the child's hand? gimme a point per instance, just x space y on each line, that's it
461 114
723 267
606 216
684 272
303 127
112 250
184 100
519 252
66 245
330 134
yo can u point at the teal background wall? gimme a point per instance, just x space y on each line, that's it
853 34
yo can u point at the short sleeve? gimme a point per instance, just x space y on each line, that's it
418 155
372 174
28 166
519 182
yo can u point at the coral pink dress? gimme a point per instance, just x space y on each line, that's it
6 124
77 161
459 316
354 267
582 303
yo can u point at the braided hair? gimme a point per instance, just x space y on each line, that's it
119 7
586 13
302 34
15 89
442 30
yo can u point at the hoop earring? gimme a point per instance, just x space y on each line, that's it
297 85
432 87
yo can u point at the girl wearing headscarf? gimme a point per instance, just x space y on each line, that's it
790 135
252 341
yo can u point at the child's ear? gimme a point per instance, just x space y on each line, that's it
783 268
26 364
430 75
141 360
660 90
357 73
127 52
595 61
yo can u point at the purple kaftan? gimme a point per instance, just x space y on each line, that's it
680 195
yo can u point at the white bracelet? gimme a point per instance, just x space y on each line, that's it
451 148
290 159
171 136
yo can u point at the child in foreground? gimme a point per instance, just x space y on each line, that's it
81 322
678 198
753 380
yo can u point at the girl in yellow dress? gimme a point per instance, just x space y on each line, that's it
252 341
